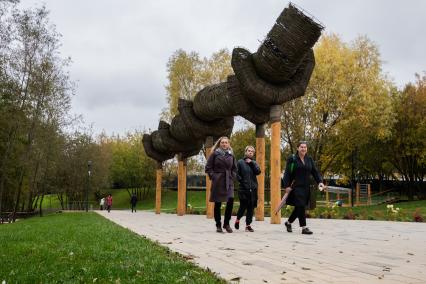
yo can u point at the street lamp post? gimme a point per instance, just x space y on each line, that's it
89 171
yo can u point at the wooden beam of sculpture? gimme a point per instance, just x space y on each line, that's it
209 205
260 158
181 202
159 175
275 163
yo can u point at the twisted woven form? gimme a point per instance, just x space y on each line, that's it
278 72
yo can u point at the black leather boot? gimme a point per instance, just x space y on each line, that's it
288 226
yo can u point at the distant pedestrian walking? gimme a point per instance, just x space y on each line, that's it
109 202
133 201
102 203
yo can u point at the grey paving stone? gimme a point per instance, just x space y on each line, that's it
339 251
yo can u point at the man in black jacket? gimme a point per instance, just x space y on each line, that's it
247 170
133 201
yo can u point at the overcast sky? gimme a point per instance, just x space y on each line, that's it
120 48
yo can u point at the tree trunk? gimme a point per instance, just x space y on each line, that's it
26 155
15 124
61 200
41 205
35 203
3 164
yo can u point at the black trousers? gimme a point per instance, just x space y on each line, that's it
133 207
246 204
298 212
228 212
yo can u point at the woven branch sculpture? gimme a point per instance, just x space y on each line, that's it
278 72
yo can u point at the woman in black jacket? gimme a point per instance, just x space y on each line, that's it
296 181
247 170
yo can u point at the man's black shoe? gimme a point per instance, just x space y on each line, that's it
306 231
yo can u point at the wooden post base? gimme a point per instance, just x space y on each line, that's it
159 175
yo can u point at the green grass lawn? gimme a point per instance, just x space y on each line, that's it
86 248
408 211
121 200
374 212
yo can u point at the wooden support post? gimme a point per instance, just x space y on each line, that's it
369 194
260 158
209 205
350 198
357 194
338 195
275 118
181 202
327 197
185 175
159 174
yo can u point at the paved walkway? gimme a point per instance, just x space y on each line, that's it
339 251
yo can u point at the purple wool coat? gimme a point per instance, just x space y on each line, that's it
222 170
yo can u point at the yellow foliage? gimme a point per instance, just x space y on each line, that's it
347 103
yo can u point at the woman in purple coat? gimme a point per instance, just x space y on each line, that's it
222 170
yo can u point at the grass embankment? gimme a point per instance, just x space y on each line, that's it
86 248
121 200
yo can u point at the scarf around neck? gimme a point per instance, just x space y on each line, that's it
223 152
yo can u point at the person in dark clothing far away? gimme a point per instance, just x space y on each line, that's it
222 169
247 170
133 201
298 170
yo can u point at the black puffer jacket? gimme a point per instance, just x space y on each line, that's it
246 175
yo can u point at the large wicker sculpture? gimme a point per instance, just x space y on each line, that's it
278 72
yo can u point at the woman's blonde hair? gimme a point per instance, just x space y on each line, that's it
217 143
248 147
